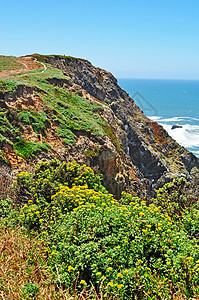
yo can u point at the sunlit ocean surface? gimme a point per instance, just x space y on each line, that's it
169 102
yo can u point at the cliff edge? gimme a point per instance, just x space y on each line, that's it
66 108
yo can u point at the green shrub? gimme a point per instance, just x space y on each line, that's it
36 119
29 149
37 190
6 207
67 135
124 246
8 85
126 249
190 220
30 291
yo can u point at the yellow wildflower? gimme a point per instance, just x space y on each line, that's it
110 283
82 282
70 268
119 286
141 214
148 225
189 258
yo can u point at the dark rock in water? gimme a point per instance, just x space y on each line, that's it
176 126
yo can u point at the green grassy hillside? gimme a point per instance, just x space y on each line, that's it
67 111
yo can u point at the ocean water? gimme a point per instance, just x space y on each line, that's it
169 102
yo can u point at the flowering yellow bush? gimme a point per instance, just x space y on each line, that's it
126 248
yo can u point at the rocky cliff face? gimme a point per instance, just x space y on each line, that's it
157 156
81 113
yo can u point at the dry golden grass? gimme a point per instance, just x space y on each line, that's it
23 261
6 179
10 63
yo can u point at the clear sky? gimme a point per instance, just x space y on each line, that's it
130 38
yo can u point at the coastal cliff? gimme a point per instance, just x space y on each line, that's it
71 110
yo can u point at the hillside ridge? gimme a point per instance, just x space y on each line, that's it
74 111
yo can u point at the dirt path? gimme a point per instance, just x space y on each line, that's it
43 66
29 63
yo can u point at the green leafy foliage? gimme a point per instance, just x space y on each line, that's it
126 249
8 85
6 128
30 291
6 207
67 135
29 149
36 119
74 112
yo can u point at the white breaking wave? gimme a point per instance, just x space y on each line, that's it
174 119
187 136
154 118
196 153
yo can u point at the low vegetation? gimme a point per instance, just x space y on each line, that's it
29 149
63 236
54 107
81 240
24 272
9 63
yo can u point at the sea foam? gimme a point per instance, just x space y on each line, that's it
187 136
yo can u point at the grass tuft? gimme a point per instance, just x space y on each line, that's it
30 149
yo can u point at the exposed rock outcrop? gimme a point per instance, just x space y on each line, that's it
157 156
133 153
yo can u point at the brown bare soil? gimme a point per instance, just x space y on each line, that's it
29 63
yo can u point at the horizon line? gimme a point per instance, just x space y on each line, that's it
169 79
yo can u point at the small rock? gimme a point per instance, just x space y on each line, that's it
176 126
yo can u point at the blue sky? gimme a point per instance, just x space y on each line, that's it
131 39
